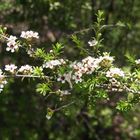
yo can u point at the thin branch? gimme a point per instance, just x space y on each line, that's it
92 28
23 76
124 88
3 36
64 106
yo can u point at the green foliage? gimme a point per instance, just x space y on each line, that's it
57 49
38 71
131 58
23 113
43 88
40 52
55 52
5 5
124 105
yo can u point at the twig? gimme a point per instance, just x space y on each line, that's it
64 106
92 28
3 36
124 88
23 76
110 26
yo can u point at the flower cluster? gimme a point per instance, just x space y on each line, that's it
64 77
51 64
29 34
10 68
115 73
87 66
12 44
2 80
106 60
26 69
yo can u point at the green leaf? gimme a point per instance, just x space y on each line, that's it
43 88
57 48
40 53
130 57
121 24
76 40
38 71
124 105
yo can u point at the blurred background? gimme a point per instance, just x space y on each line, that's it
22 110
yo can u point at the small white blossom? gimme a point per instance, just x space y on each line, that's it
90 64
12 44
115 72
114 82
93 43
30 52
77 66
29 34
2 81
10 68
87 66
51 64
11 38
27 69
137 61
66 77
77 78
62 61
61 78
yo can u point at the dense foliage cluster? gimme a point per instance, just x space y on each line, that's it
75 76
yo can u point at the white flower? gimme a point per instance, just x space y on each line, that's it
92 43
51 64
10 68
87 66
66 77
115 72
30 52
62 61
114 82
90 64
137 61
2 81
12 44
77 66
12 38
77 78
29 34
27 69
61 78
